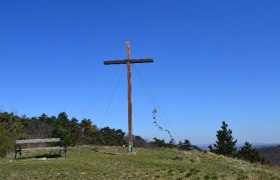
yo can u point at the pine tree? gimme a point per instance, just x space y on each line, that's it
250 154
185 146
225 144
159 143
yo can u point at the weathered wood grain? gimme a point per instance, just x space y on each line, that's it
34 141
44 148
147 60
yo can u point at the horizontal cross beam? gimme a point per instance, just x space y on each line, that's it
148 60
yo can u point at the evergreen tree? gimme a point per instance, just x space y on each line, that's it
112 137
250 154
61 129
138 141
171 143
225 144
186 145
159 143
89 132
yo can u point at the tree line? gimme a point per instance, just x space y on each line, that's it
75 133
69 130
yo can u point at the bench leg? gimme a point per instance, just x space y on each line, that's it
20 153
15 152
65 152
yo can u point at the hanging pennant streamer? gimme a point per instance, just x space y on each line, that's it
154 113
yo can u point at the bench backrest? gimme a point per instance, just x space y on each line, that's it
34 141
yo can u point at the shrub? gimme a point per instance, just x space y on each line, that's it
250 154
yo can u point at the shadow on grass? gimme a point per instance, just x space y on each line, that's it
104 152
47 156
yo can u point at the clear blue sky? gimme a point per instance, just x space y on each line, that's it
214 61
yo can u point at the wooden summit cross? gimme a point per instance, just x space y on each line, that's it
129 61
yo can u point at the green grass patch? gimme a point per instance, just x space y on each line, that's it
114 163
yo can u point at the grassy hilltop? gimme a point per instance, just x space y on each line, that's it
113 163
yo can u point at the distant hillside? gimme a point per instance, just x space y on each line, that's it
105 162
271 153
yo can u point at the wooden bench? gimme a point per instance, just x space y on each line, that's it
19 143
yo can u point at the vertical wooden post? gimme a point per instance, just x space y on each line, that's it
129 61
130 143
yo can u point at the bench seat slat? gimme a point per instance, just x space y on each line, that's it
18 145
44 148
34 141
